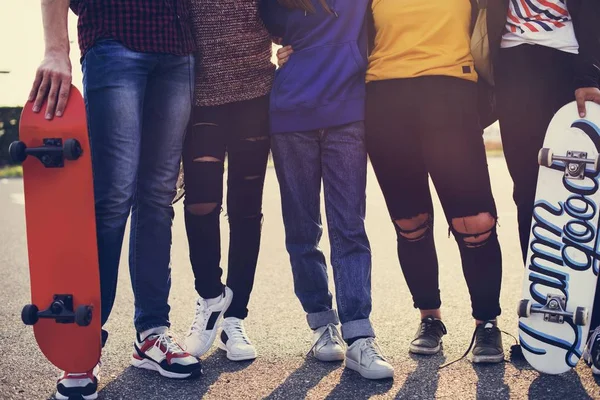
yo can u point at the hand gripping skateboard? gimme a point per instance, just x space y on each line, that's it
563 259
61 235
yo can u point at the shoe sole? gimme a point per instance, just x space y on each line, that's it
59 396
488 359
427 351
152 366
213 335
374 375
235 357
331 357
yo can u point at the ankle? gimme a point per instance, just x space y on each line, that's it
436 314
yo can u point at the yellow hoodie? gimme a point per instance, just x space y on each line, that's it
421 37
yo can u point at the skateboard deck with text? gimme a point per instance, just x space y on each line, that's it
61 235
563 257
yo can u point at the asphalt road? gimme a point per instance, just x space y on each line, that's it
277 324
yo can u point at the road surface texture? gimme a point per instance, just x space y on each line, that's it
277 325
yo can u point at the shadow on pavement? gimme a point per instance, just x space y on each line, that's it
135 383
422 383
490 382
302 380
567 386
355 387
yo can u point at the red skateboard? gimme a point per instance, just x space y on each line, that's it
61 235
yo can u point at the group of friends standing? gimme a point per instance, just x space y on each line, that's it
392 80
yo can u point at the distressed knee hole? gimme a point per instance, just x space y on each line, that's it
476 230
414 229
256 139
206 159
201 208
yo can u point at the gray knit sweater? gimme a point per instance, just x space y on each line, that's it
233 60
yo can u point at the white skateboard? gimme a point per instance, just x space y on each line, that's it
563 258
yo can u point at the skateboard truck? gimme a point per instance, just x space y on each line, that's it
52 154
575 162
61 310
554 310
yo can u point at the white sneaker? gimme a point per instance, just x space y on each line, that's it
78 385
205 326
591 354
328 344
364 356
235 342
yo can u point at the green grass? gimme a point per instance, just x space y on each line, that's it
15 171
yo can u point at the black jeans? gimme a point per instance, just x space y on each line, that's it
240 130
423 127
532 84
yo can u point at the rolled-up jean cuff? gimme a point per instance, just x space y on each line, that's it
428 304
358 328
317 320
487 314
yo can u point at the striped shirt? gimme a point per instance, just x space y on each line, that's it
149 26
542 22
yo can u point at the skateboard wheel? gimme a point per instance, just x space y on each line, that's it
72 149
596 163
83 315
524 309
17 151
29 314
545 157
580 316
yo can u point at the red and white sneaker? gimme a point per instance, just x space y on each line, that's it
78 385
156 350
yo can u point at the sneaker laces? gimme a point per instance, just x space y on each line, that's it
486 336
426 327
202 314
371 349
236 331
170 345
330 334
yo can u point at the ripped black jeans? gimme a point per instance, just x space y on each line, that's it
428 127
240 130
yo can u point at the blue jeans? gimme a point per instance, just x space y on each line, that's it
338 157
138 106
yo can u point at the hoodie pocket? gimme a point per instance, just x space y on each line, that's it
320 75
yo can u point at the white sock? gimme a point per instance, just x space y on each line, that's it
159 330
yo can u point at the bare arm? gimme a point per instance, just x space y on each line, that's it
53 77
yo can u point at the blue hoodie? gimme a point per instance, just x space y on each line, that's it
323 83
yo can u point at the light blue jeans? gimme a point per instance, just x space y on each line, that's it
336 156
138 107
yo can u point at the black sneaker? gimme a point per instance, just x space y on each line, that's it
591 355
488 343
428 339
